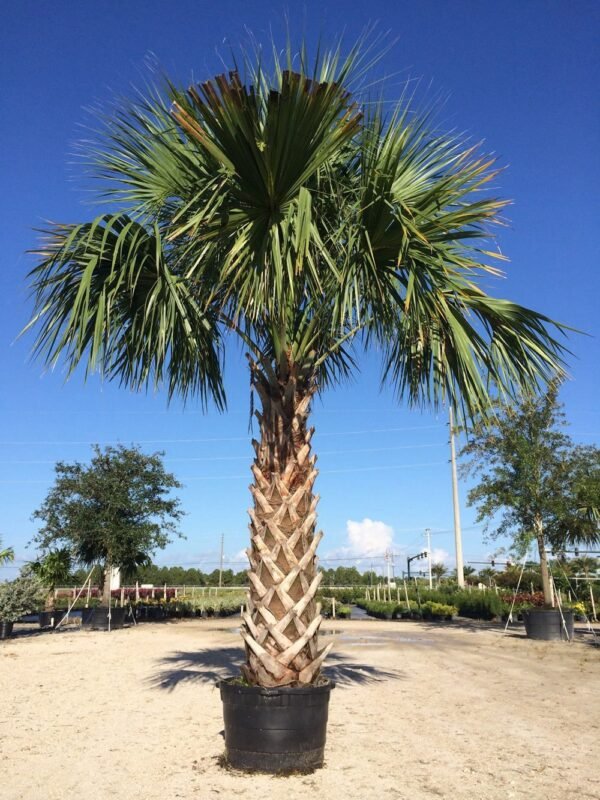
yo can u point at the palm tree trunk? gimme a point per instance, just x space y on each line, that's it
282 621
539 535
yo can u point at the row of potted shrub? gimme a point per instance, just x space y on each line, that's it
25 596
428 610
475 605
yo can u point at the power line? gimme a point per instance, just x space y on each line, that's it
247 457
215 439
247 475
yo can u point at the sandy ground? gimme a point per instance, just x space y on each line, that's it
461 712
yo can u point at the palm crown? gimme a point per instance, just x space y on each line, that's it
278 207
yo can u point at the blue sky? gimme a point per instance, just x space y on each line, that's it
521 76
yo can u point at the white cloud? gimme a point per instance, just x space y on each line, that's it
369 537
440 556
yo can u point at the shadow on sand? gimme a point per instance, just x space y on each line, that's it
213 665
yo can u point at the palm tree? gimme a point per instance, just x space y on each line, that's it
6 555
438 570
279 207
468 573
52 570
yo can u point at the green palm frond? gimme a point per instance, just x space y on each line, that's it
260 226
422 241
107 298
277 205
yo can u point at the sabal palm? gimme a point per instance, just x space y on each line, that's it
276 208
52 570
7 554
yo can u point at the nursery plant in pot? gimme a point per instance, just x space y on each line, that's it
113 512
52 569
539 488
275 206
17 598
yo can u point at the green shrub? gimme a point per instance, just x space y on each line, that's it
326 606
479 605
24 595
378 608
431 610
345 596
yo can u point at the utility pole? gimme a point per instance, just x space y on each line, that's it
428 540
221 561
388 558
460 573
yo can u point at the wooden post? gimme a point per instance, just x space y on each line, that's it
165 592
406 595
89 591
333 607
594 617
137 591
176 593
153 592
122 596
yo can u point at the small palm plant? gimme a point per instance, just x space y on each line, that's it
52 570
278 207
7 554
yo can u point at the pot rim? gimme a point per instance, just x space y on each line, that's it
273 691
539 610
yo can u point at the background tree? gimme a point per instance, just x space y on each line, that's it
529 473
577 516
285 207
469 572
114 512
487 575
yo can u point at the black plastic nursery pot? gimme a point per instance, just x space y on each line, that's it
547 624
6 629
97 618
50 619
149 613
276 730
